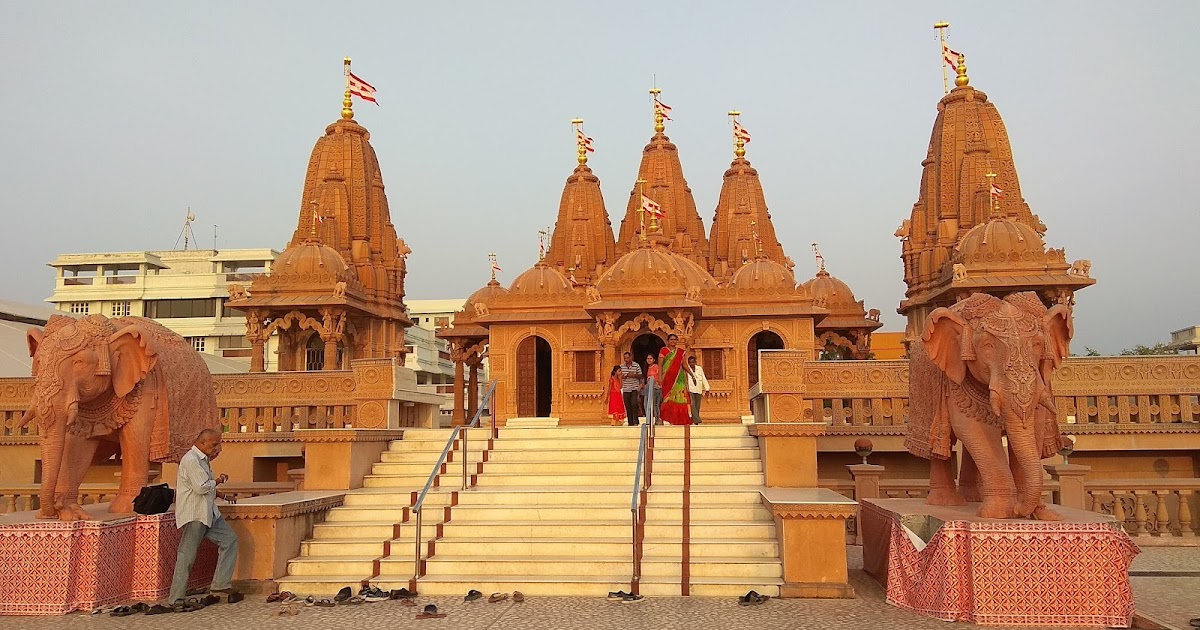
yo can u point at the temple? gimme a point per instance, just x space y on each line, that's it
337 292
971 230
553 335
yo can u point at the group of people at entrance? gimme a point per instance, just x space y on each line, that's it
669 390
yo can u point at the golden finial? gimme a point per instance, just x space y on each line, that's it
962 80
941 27
659 115
739 144
581 140
820 259
995 203
347 104
641 209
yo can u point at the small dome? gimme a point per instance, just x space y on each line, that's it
763 273
653 270
311 261
832 293
540 281
1000 240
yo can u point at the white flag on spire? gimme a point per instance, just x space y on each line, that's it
361 88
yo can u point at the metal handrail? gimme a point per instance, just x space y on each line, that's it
638 488
474 423
437 467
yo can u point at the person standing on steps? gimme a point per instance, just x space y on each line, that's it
697 387
614 397
653 389
197 515
631 383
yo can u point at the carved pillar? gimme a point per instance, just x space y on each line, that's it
456 355
473 389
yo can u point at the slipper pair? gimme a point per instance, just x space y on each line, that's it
752 599
431 610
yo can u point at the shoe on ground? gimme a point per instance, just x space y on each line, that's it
630 599
343 594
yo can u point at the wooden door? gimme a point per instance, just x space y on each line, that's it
527 378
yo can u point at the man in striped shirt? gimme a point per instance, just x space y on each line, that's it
631 384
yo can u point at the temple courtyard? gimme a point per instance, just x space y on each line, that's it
1165 580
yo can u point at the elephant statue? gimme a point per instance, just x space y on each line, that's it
982 370
105 386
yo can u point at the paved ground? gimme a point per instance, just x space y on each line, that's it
1171 599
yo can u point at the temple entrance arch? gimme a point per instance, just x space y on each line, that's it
534 378
646 344
765 340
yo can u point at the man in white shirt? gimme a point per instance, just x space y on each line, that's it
197 515
697 387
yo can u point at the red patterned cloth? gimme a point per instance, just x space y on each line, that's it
1005 572
54 568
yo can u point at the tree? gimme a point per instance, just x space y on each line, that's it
1158 348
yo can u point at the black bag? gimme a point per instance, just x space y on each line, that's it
154 499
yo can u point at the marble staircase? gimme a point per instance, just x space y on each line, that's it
549 514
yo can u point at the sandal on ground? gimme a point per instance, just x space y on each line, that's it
158 609
430 612
472 595
497 597
518 596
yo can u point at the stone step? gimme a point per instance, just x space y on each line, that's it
609 548
536 586
332 565
334 531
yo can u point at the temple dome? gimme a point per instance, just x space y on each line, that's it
1002 239
311 261
540 281
653 270
832 294
763 273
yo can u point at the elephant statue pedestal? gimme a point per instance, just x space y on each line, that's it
58 567
948 563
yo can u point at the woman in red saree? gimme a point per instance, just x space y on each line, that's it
675 369
616 404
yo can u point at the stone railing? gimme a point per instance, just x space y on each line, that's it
22 497
270 402
1104 394
1160 508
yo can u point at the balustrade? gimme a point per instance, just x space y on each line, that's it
1148 507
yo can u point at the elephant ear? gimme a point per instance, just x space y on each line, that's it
1059 329
133 356
943 342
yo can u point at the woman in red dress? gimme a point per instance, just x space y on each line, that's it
675 369
616 404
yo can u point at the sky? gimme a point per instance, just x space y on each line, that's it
123 114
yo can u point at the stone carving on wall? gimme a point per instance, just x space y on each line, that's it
98 379
236 292
981 371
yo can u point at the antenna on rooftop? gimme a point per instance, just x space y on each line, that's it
186 233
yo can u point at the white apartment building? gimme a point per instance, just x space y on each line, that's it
186 290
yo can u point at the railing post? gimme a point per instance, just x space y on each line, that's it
866 486
1072 486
